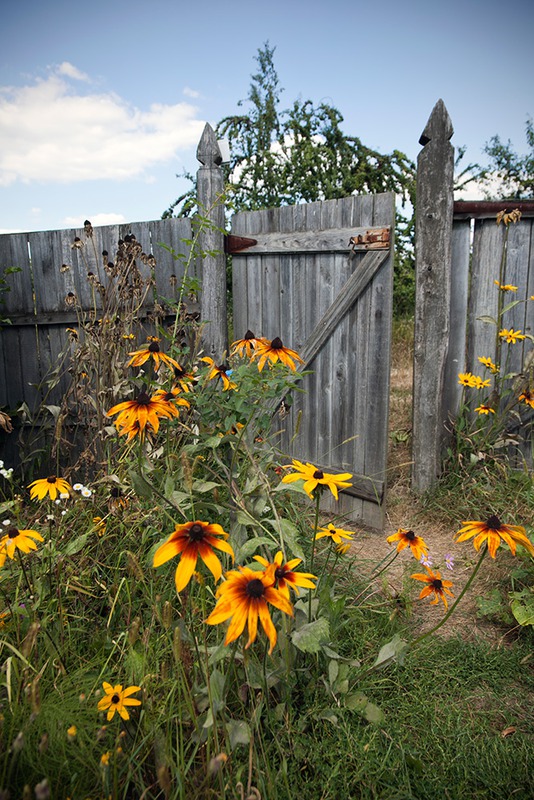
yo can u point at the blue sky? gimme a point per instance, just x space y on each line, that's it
103 103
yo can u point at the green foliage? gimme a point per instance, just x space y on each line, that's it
514 172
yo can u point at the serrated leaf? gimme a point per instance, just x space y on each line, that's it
310 637
238 731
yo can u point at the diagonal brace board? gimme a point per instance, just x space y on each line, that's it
355 285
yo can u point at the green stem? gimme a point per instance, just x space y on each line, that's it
451 609
315 527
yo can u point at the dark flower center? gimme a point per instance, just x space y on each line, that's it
168 396
51 479
115 491
493 523
248 336
115 699
410 535
222 368
255 588
318 474
279 573
143 399
153 347
196 532
277 344
437 584
13 533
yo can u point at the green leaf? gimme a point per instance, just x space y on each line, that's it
356 702
333 671
393 650
290 535
238 731
373 714
310 637
487 318
76 545
141 487
523 607
204 486
250 547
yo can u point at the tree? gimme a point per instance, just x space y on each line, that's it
301 154
514 172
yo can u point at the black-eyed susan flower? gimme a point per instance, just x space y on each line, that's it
173 396
505 287
185 380
336 535
189 541
245 596
314 477
435 585
116 699
15 539
151 350
285 575
144 410
245 346
488 363
52 486
274 351
492 532
484 409
510 336
221 372
116 500
480 383
407 538
527 397
466 379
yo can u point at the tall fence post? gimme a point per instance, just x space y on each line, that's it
210 188
433 249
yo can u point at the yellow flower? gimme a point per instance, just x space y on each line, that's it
143 413
527 397
115 700
285 576
313 477
335 534
246 345
16 539
100 525
505 287
104 758
511 336
245 596
191 540
485 410
221 372
479 383
51 486
435 585
406 538
466 379
487 362
138 357
492 532
71 732
275 351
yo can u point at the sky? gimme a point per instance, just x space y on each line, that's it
102 104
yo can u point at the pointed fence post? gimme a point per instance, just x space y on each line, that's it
433 249
210 188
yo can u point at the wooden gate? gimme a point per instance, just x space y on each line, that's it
320 277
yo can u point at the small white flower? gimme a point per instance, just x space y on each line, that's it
64 496
49 517
1 464
86 492
57 501
6 522
63 513
78 487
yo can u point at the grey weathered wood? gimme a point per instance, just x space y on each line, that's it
333 240
434 213
302 295
460 255
210 190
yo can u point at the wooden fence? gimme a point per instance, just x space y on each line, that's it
460 253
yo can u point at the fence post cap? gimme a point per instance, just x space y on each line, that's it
208 150
439 125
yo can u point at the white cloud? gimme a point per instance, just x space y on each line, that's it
95 219
191 92
70 71
52 132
